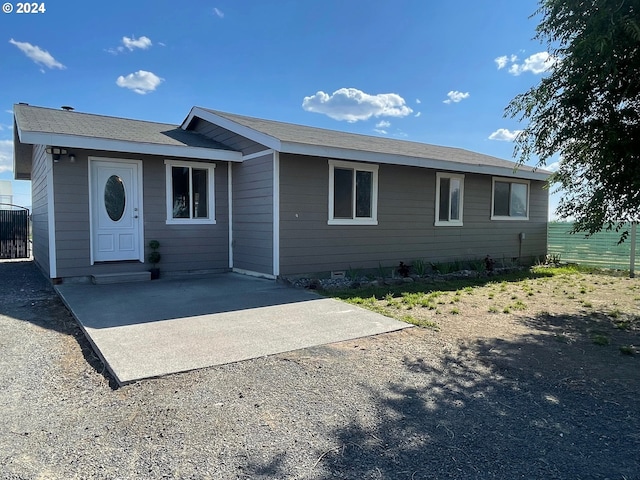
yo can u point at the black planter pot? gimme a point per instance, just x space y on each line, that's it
155 273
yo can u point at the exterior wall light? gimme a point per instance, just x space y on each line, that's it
56 152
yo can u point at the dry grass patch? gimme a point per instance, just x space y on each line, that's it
504 307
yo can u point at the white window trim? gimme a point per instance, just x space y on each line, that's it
210 193
449 223
509 180
363 167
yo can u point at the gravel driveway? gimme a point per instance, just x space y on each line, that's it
407 405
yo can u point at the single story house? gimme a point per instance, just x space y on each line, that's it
225 192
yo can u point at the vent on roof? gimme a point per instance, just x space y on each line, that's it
67 108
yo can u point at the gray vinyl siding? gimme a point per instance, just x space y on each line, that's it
253 215
184 248
40 209
406 217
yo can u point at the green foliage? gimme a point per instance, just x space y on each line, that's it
443 267
419 267
420 322
154 256
627 350
478 265
353 274
519 305
600 339
587 109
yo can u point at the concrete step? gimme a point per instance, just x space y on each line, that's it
107 278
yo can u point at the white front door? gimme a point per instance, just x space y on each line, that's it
116 210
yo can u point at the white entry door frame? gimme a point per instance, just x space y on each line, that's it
115 206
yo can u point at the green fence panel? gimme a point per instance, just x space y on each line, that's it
600 250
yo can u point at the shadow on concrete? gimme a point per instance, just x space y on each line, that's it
117 305
540 406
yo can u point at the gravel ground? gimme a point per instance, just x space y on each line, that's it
409 405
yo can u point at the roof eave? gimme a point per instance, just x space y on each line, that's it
242 130
92 143
383 158
22 156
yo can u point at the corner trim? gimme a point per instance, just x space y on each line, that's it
230 207
276 214
51 218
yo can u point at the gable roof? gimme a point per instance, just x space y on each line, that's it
301 139
47 126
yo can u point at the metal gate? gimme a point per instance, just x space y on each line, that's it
14 232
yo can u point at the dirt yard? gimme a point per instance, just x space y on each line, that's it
567 305
547 390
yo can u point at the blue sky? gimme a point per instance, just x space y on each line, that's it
425 71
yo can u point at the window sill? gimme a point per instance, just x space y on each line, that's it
511 219
189 221
349 221
448 224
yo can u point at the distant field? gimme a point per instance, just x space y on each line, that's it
600 250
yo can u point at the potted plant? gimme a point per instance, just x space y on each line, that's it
154 258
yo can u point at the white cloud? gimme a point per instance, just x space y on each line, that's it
418 114
35 53
456 96
351 104
6 156
537 63
141 82
504 135
504 60
552 167
381 125
143 43
418 101
131 43
219 13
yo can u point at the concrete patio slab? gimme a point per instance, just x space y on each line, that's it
143 330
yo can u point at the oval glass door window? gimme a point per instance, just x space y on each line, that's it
114 197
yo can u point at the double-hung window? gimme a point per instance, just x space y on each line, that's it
190 194
449 195
510 199
353 193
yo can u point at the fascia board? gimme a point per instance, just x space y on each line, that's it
373 157
247 132
92 143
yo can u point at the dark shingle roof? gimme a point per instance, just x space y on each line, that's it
60 122
300 134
